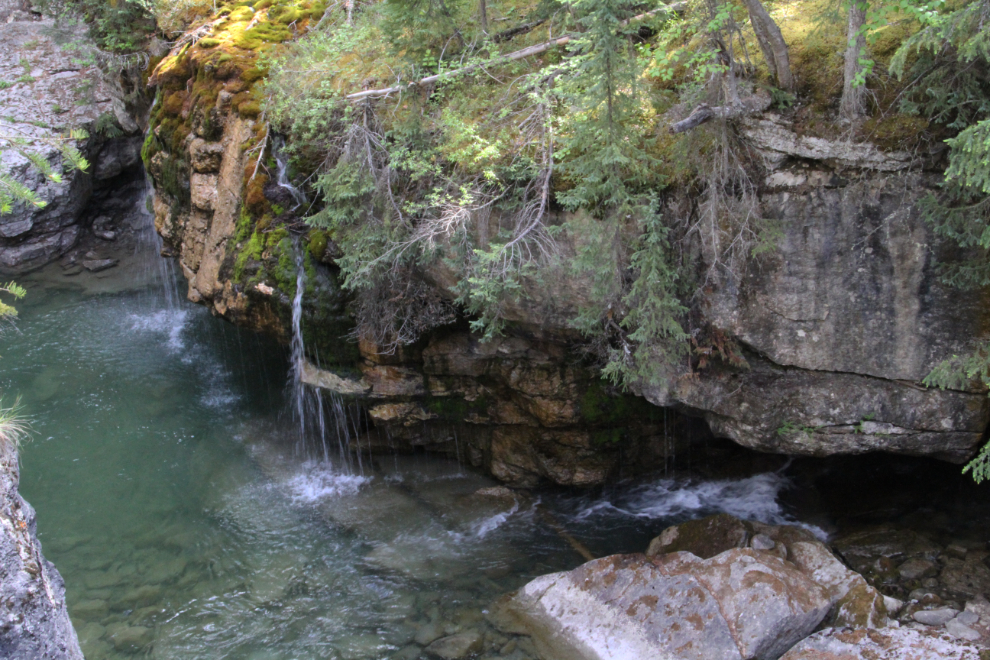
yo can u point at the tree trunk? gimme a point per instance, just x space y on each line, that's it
483 15
853 104
771 43
350 11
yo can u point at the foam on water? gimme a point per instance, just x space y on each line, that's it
168 322
751 498
482 528
319 480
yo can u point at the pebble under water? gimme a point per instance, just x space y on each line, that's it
173 500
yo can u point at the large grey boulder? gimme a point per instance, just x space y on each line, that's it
886 644
853 602
34 621
738 605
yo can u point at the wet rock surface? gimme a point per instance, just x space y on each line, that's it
34 621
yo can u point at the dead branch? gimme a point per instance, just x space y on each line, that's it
704 113
505 35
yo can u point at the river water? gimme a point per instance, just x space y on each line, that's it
174 501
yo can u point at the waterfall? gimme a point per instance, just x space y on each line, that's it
281 174
151 243
298 348
311 412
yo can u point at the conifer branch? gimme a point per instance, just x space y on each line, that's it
529 51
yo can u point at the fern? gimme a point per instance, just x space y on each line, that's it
12 190
106 125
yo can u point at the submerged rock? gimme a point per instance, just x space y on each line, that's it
97 265
456 646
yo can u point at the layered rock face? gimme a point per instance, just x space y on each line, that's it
54 90
524 410
842 322
34 621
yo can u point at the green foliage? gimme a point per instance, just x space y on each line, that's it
950 61
960 373
8 312
637 325
14 430
12 190
603 150
120 26
947 61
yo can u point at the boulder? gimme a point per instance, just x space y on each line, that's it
740 604
937 617
965 579
853 601
886 644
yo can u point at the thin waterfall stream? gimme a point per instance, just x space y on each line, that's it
190 519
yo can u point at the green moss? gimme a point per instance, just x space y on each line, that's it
252 74
208 42
285 15
456 409
285 271
173 102
318 241
896 132
606 437
600 407
262 34
251 251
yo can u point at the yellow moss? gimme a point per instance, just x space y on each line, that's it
252 74
172 105
241 14
249 110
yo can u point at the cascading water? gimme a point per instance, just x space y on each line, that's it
310 412
282 176
149 242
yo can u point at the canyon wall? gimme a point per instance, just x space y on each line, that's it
838 325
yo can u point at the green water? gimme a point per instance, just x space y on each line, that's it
172 499
174 502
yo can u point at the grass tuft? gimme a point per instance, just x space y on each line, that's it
14 429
